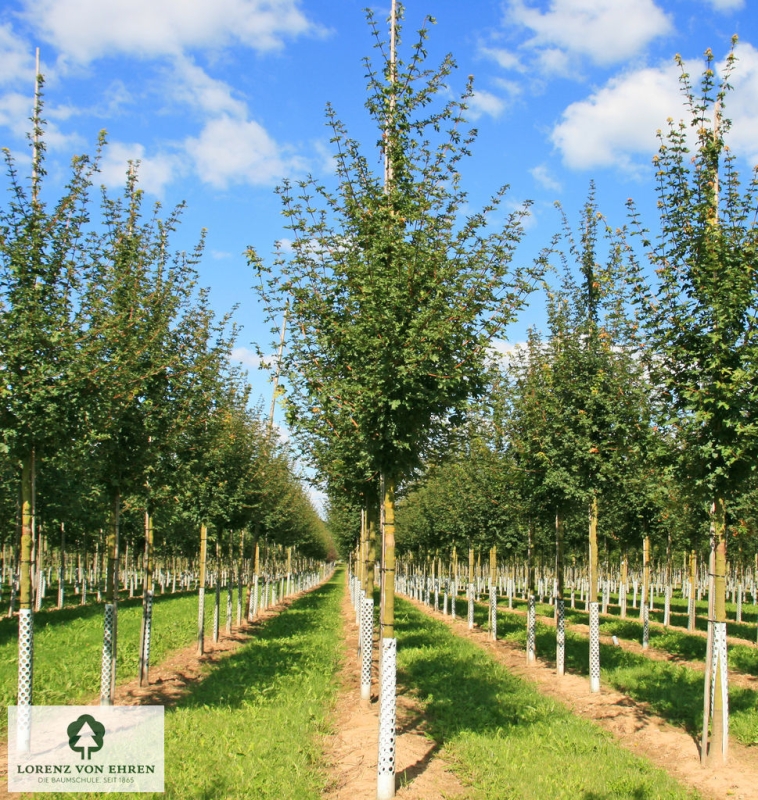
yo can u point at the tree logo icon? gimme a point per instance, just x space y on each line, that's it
85 735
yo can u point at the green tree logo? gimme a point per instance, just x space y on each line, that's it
85 735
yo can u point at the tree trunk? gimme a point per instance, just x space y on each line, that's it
201 592
147 602
25 616
388 573
593 513
720 731
110 627
692 621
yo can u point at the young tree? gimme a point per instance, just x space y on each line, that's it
393 297
700 312
44 252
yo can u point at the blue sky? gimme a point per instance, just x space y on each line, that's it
220 99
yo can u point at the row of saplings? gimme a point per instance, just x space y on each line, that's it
263 581
439 583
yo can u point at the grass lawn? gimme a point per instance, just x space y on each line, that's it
675 692
252 727
504 738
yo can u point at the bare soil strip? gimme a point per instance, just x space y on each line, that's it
172 679
740 679
632 723
422 772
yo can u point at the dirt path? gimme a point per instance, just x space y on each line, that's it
739 679
173 678
632 723
421 771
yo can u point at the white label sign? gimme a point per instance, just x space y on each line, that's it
85 748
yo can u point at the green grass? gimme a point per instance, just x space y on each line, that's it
673 691
505 739
679 618
68 645
252 728
678 643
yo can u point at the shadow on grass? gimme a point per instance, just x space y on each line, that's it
53 617
672 691
461 688
279 649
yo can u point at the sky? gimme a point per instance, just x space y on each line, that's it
220 100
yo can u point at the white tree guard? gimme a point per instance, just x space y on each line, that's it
667 607
106 699
385 784
453 594
25 679
360 618
216 609
645 626
594 647
148 633
444 602
560 637
229 590
367 636
254 609
493 613
531 630
719 662
201 618
471 590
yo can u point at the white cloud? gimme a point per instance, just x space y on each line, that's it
505 58
619 120
83 30
15 112
502 350
741 104
246 356
483 102
605 31
16 59
726 5
542 175
232 151
192 86
154 173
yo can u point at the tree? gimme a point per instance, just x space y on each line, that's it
700 314
393 297
44 252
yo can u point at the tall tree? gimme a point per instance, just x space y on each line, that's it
44 253
393 297
701 310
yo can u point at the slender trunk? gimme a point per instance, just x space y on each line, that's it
593 513
25 617
720 722
560 614
645 574
27 533
388 574
110 626
147 601
559 526
201 593
692 621
372 514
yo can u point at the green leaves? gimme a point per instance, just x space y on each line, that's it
393 293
